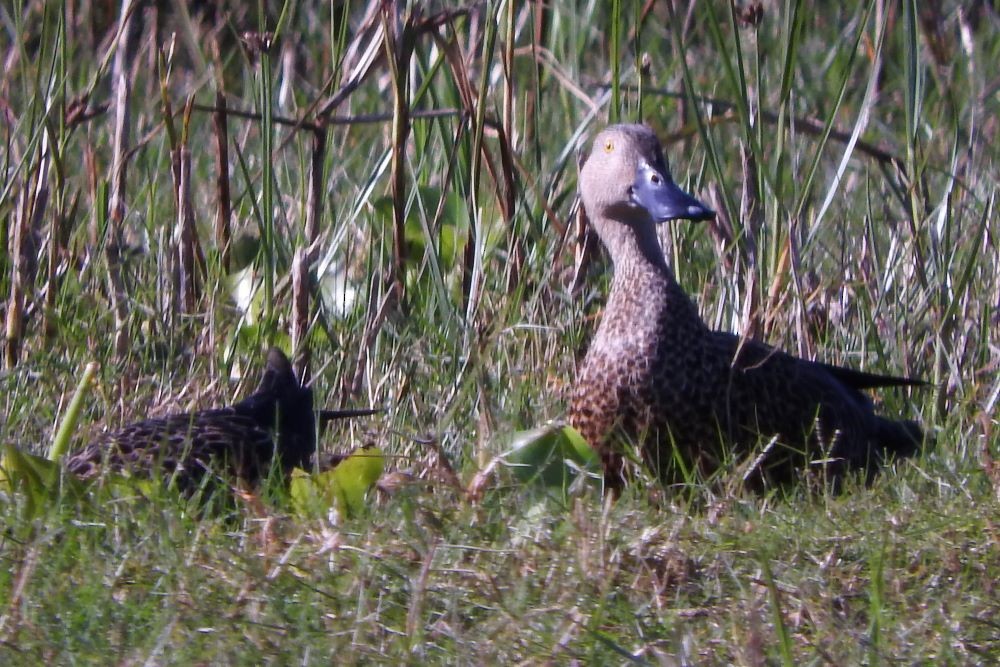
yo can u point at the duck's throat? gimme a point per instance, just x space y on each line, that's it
645 295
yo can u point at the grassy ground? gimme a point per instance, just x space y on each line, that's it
851 153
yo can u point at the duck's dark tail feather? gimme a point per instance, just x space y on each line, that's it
861 380
899 439
331 415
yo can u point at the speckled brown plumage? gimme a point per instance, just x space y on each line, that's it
690 397
237 441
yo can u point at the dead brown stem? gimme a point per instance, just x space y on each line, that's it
224 212
121 93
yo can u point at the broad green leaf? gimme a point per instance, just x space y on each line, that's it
308 497
452 225
554 456
243 251
39 479
344 487
355 475
34 476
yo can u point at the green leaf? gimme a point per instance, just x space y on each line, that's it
67 427
356 475
344 487
449 238
553 456
243 251
38 478
34 476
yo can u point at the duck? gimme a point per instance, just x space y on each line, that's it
693 400
239 443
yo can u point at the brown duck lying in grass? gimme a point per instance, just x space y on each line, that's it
692 398
239 441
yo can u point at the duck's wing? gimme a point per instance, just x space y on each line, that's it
783 390
749 353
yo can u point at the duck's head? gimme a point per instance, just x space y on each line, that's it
281 401
625 178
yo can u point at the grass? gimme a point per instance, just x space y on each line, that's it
849 151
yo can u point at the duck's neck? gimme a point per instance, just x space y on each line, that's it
636 252
642 276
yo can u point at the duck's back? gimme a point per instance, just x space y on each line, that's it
221 442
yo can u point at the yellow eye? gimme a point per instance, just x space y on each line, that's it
609 146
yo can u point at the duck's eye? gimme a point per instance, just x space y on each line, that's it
609 146
654 178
